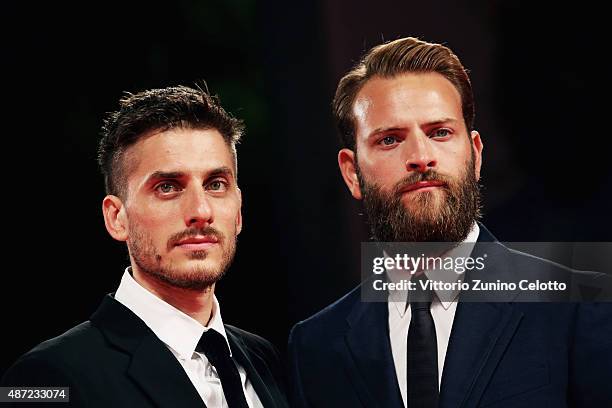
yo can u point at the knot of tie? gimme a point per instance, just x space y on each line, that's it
419 298
420 306
214 347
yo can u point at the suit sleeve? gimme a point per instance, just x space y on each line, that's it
591 359
34 371
296 389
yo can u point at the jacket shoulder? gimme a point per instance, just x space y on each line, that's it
67 347
331 318
55 362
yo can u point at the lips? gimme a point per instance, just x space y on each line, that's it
198 242
422 184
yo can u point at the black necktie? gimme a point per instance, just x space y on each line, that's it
422 362
214 346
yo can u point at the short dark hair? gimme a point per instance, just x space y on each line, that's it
158 110
394 58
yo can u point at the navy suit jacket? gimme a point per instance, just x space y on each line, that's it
500 354
115 360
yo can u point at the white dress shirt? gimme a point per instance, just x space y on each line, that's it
443 314
181 333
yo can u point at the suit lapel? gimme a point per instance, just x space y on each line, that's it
158 372
367 356
480 335
257 370
152 366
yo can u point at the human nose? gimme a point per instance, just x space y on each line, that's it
420 156
198 211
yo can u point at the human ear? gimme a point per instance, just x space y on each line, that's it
477 146
115 217
348 168
239 215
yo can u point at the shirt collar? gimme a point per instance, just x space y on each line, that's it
176 329
399 297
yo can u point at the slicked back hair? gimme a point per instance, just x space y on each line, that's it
405 55
158 110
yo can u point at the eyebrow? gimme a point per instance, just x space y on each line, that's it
440 121
396 128
160 175
221 171
384 129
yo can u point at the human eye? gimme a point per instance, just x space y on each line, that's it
217 185
166 188
388 140
440 133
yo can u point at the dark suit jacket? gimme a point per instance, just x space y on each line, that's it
500 354
115 360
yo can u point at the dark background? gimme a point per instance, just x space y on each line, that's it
540 79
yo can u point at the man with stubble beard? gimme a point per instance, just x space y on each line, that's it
169 161
411 154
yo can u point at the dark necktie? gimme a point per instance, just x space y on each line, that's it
422 362
214 346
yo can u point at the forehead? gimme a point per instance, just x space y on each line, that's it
179 149
384 102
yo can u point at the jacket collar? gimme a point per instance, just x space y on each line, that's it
257 370
152 366
481 333
366 353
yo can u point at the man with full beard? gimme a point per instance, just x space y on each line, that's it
169 161
406 118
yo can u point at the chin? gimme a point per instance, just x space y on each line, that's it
198 270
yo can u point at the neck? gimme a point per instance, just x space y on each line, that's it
198 304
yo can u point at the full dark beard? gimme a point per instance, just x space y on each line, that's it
197 278
431 219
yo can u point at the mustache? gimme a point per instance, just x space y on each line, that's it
412 178
194 232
